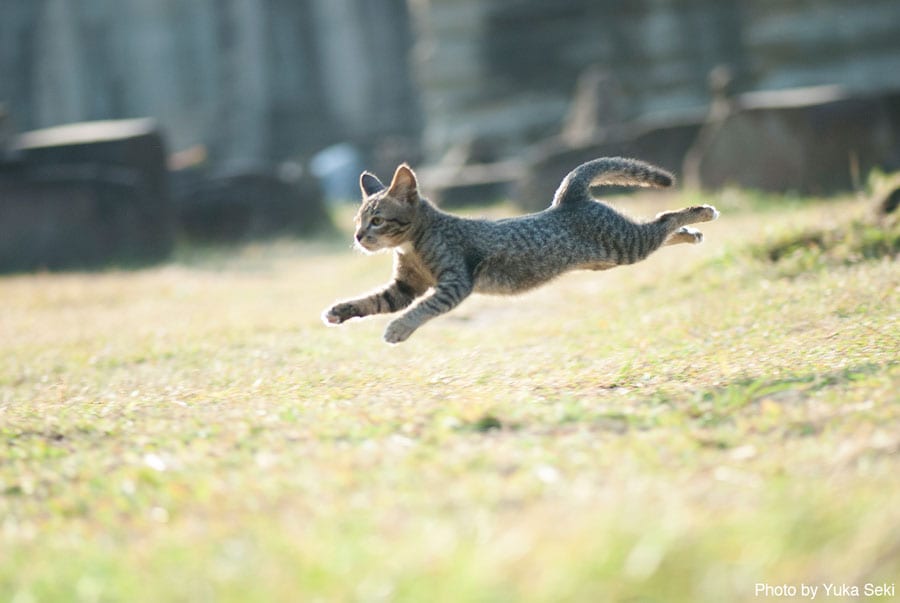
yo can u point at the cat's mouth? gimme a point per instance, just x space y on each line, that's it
369 245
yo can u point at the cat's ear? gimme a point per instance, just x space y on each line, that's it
404 184
369 184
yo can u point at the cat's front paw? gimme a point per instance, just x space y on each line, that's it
398 331
339 313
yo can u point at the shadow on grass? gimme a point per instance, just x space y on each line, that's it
795 252
718 418
720 407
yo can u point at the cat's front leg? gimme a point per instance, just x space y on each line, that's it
447 294
398 330
394 297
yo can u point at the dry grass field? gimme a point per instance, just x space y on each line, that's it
715 418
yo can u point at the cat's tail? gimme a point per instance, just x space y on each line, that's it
609 170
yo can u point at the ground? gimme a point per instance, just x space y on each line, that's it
716 418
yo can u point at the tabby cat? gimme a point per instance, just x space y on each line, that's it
440 258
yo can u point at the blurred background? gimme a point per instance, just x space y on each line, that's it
128 125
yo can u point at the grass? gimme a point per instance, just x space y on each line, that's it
680 430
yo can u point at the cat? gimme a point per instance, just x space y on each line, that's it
440 258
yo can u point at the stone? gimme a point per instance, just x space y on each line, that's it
85 195
809 141
250 204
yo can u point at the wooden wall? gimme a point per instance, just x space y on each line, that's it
253 80
506 69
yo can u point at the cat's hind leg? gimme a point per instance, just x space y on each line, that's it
670 228
689 215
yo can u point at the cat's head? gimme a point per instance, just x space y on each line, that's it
388 213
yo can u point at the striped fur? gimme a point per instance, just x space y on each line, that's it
440 259
609 170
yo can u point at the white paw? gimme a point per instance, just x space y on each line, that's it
713 211
397 331
687 231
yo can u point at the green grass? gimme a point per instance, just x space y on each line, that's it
678 430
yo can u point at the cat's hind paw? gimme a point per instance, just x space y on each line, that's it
709 213
685 234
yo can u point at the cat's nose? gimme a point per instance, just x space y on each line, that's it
359 236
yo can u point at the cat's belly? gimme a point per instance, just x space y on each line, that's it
493 287
597 266
501 278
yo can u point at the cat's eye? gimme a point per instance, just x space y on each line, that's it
377 221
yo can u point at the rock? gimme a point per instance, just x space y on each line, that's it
249 204
810 141
133 144
59 219
85 195
888 204
886 199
